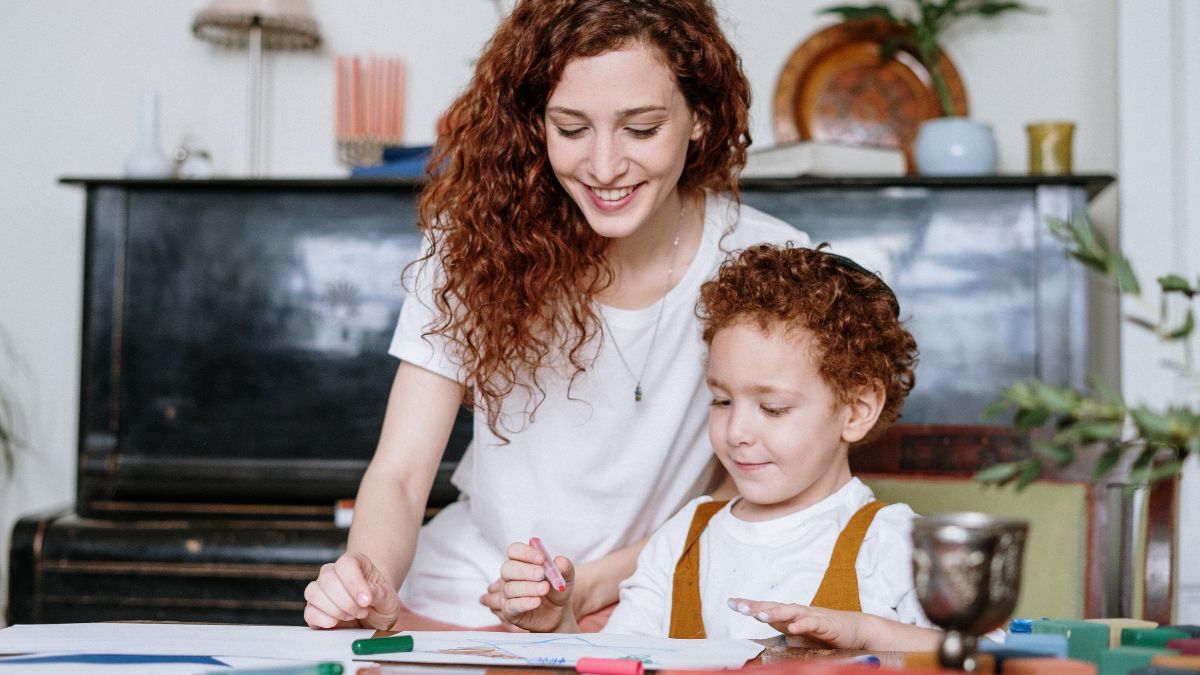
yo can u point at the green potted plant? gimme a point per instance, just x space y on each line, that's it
948 144
1098 424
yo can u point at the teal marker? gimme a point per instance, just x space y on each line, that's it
383 645
312 669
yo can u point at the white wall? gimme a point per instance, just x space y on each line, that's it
1159 93
71 71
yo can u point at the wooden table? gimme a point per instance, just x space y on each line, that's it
777 650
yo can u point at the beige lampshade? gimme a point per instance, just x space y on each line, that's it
286 24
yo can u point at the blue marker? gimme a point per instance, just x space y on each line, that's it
865 659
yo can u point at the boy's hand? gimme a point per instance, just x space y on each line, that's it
814 626
351 593
595 587
807 626
526 598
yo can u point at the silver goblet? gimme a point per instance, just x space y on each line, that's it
967 572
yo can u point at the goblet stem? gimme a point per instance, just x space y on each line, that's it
957 651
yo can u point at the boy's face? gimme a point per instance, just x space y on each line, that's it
778 428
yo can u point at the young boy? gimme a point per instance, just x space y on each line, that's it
807 356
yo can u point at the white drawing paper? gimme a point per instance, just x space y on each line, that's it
562 650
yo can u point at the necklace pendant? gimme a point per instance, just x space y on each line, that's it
637 393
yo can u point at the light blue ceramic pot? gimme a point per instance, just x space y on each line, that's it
955 146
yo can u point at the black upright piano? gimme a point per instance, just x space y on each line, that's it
235 372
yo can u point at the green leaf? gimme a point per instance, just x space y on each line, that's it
1173 283
996 409
1106 462
1108 395
1126 280
1058 453
997 473
1090 261
1145 457
1021 394
1029 472
1031 418
1057 399
1090 432
1153 425
993 8
1059 228
1090 242
860 13
1165 470
888 48
1142 323
1181 333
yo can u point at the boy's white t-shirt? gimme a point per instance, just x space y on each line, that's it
594 470
779 560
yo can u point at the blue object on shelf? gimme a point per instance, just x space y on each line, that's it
399 161
1021 626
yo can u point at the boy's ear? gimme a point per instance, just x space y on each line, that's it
864 412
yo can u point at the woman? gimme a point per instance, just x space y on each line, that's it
581 203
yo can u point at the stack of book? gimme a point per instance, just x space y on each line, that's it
815 158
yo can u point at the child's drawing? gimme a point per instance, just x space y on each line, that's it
543 649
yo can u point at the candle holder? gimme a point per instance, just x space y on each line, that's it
1050 148
967 573
368 108
363 150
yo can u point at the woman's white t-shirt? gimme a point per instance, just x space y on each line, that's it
593 470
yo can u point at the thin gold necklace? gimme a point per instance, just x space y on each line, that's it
662 303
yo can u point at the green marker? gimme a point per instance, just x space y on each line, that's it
314 669
383 645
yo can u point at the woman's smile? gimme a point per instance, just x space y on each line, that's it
612 199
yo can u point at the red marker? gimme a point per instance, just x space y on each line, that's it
552 574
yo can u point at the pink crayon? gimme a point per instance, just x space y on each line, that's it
552 574
609 666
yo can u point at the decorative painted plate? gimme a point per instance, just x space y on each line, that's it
834 88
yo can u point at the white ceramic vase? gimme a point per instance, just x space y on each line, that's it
955 146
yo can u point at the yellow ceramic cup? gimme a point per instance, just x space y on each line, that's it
1050 148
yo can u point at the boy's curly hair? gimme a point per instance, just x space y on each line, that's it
521 264
852 314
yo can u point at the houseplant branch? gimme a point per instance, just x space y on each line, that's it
1070 423
921 32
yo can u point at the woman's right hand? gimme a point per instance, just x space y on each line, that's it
526 598
351 593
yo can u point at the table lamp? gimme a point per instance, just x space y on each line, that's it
257 25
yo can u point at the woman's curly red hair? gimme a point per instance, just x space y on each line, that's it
851 314
521 263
